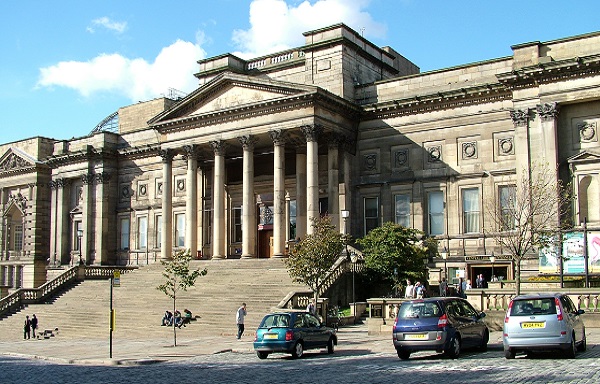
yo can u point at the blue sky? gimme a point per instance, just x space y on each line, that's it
66 65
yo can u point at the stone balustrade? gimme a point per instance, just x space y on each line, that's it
274 60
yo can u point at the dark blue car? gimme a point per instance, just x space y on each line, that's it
292 332
442 324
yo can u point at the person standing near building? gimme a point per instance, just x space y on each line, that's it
239 319
443 287
34 325
27 328
409 293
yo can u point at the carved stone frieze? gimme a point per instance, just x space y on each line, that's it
587 131
13 162
370 162
469 150
19 200
520 117
506 146
435 153
401 158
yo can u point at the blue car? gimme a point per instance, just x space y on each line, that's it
442 324
292 332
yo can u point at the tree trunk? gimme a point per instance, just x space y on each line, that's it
174 327
518 276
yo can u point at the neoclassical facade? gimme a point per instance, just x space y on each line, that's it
239 167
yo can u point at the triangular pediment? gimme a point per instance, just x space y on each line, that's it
230 92
585 157
15 159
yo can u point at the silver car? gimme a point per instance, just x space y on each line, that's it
543 322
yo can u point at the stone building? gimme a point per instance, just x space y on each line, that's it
240 166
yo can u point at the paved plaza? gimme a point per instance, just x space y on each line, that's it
359 358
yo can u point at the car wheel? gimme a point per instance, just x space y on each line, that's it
509 354
298 350
484 340
262 355
453 350
570 353
583 345
330 346
403 354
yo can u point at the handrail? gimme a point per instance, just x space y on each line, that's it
50 289
301 298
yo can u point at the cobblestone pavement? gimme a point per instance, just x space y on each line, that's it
359 358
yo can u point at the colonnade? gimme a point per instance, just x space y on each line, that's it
307 193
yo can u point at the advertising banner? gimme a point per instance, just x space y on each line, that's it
573 254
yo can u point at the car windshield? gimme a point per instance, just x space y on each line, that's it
537 306
422 309
276 321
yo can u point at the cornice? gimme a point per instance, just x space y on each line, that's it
80 156
552 71
439 101
138 152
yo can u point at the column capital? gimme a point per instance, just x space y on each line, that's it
312 132
103 177
88 178
190 151
248 142
278 136
547 111
520 117
218 147
166 155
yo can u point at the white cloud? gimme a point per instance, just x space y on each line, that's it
137 79
276 25
109 24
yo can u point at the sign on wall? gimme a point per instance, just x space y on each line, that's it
573 254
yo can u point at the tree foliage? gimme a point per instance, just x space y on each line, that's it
529 217
178 277
311 258
394 253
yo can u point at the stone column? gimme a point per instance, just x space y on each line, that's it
278 192
103 221
287 219
345 195
333 179
219 200
549 140
301 192
166 248
248 199
312 174
191 200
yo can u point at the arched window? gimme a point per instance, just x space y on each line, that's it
588 199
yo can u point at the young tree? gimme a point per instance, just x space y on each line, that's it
394 252
526 217
178 278
313 257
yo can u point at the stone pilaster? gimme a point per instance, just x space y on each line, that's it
301 192
333 179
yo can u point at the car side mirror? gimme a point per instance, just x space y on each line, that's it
580 312
482 315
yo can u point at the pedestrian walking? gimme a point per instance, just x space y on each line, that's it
443 287
409 293
27 328
239 319
34 325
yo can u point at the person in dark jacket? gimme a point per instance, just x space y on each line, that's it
27 328
34 325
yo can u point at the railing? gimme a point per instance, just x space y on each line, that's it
497 300
43 293
300 299
277 59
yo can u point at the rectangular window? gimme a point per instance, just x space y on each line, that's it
142 232
371 213
78 228
435 208
208 225
470 203
180 230
292 220
236 227
507 201
402 208
18 237
124 225
158 232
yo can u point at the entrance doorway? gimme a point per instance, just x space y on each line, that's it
265 243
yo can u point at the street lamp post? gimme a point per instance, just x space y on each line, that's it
444 255
353 259
492 260
79 236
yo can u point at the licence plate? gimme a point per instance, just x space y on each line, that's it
533 325
419 336
271 336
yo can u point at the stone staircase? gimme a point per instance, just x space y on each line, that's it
83 311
